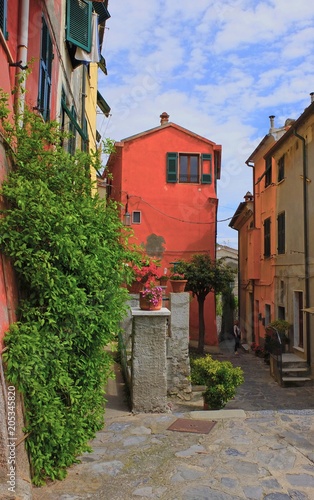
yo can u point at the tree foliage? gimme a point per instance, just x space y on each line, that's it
68 254
205 275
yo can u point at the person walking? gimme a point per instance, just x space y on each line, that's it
237 336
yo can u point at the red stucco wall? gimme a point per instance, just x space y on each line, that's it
183 216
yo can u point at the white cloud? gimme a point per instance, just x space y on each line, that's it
218 68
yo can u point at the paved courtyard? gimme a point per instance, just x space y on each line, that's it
261 446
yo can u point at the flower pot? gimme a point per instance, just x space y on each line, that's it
135 287
146 305
178 286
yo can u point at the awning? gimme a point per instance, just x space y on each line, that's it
309 310
105 108
102 64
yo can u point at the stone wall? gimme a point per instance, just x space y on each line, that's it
178 360
158 359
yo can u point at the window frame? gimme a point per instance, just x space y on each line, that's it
281 233
140 217
267 237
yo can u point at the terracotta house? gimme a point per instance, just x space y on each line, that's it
166 179
276 238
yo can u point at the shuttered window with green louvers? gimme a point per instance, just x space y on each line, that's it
206 177
172 167
79 22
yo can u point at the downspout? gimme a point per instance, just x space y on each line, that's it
84 95
306 247
22 49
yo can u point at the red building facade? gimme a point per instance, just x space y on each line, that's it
166 178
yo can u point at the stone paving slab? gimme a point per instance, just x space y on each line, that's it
264 455
261 447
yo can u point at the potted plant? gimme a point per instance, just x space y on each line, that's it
142 273
151 296
220 378
177 277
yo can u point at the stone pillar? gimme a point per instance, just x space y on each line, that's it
149 369
178 346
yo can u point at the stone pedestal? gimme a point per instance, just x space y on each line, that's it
149 369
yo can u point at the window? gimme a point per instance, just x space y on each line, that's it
267 314
45 72
189 168
79 23
136 217
3 17
281 168
281 312
281 233
267 237
268 165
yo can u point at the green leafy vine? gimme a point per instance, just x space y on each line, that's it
66 247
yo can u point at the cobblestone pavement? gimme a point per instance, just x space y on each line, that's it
260 447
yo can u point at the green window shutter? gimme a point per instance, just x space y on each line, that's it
206 178
45 72
79 23
3 18
172 167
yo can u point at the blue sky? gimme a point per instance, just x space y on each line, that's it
218 69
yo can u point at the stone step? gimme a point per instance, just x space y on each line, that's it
295 369
295 380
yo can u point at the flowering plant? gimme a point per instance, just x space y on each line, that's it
143 273
152 292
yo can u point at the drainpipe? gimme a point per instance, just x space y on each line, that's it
22 48
306 247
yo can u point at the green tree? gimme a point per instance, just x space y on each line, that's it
205 275
67 250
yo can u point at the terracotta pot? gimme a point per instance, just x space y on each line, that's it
145 305
135 287
178 285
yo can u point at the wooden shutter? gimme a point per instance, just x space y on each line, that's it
172 167
206 177
79 23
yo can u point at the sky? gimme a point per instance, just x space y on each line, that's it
218 68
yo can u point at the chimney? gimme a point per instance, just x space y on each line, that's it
272 122
312 97
248 197
164 118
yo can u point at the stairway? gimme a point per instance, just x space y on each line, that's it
295 371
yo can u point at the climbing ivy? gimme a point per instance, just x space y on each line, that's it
67 250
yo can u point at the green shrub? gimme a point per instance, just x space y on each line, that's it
221 379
